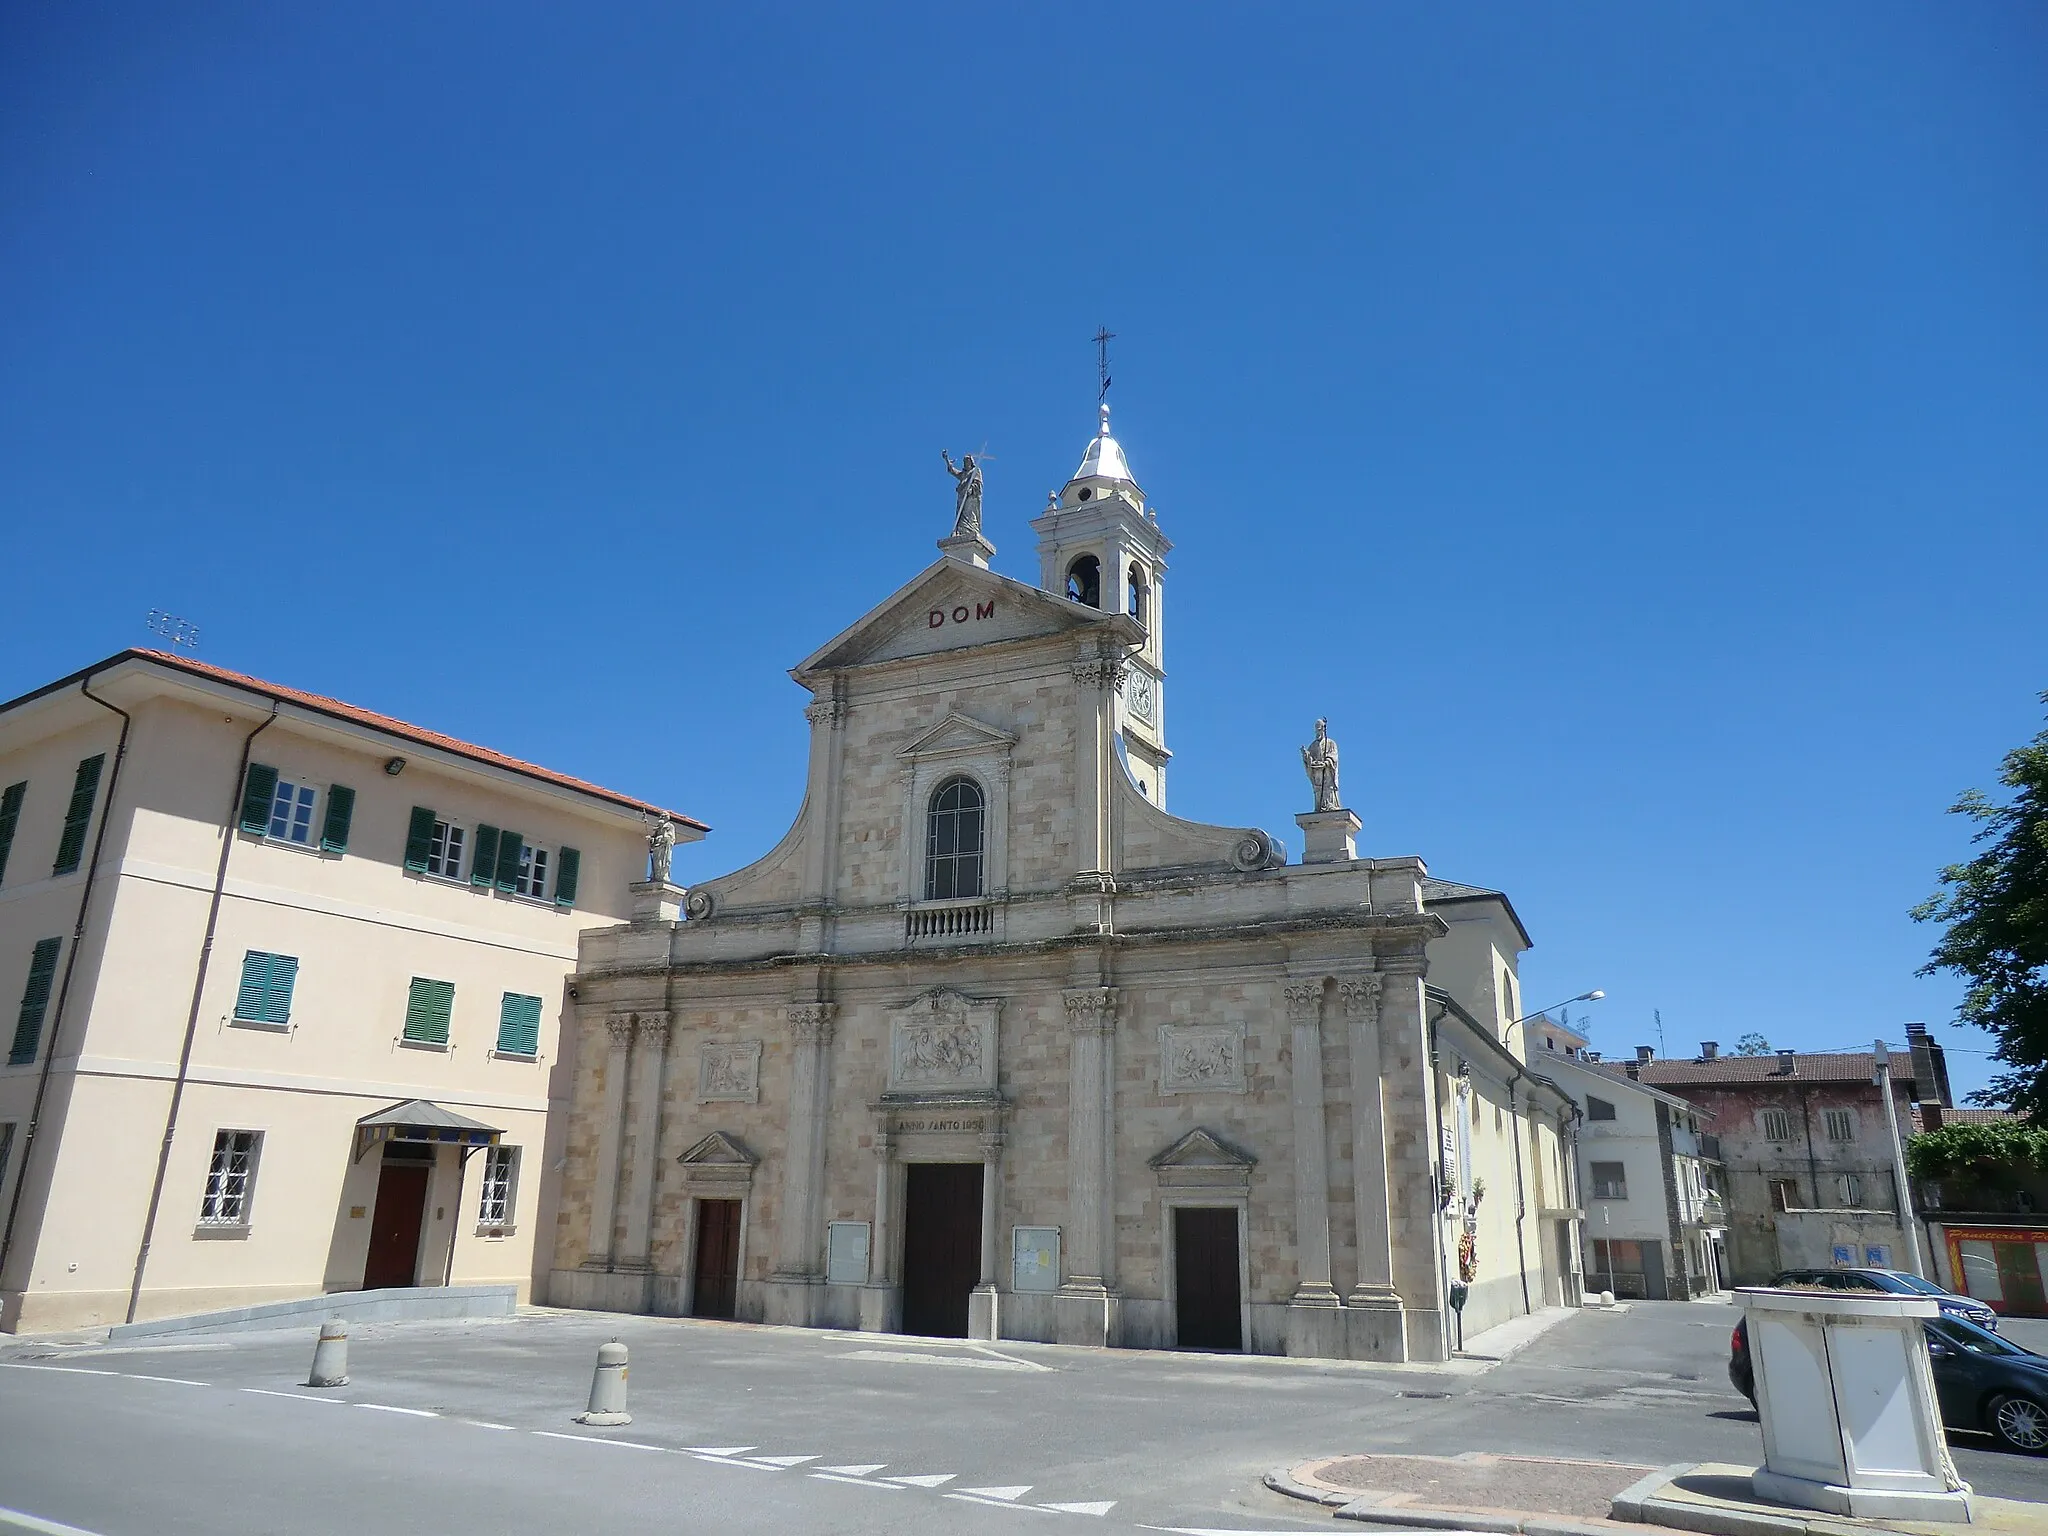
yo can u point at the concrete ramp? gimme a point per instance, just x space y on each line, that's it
408 1304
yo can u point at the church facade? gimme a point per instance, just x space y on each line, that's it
992 1045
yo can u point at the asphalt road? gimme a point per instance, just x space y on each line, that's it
467 1428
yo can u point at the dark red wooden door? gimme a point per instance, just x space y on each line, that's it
715 1292
1205 1278
941 1246
395 1226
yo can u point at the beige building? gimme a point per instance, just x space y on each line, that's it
992 1044
291 980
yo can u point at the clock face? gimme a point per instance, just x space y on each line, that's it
1143 697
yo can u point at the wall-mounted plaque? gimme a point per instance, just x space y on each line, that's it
943 1043
1034 1258
846 1253
1201 1058
729 1072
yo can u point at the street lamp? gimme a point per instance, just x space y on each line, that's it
1593 996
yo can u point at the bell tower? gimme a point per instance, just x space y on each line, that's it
1100 545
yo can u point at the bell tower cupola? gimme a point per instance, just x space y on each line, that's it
1100 545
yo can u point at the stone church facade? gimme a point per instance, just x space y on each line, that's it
992 1045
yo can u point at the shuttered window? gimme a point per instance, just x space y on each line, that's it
428 1008
259 787
483 864
341 810
419 839
84 790
266 992
519 1025
10 814
35 1002
568 865
510 846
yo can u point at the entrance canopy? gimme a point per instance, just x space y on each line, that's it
416 1121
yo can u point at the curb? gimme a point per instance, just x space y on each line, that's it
1345 1506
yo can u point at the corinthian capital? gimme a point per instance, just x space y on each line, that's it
621 1027
654 1028
828 710
1101 672
811 1023
1360 996
1091 1010
1305 1001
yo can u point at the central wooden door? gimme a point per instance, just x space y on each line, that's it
941 1246
715 1292
395 1226
1206 1296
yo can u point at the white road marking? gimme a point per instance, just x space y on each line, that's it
1085 1507
716 1450
859 1482
857 1471
729 1461
1017 1360
299 1397
15 1519
1016 1491
176 1381
68 1370
968 1498
925 1480
417 1413
486 1424
976 1362
628 1445
783 1461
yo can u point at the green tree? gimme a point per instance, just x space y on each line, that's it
1752 1044
1996 911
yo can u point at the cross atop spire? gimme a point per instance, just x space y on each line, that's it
1103 337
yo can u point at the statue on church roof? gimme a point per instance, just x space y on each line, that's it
966 494
661 846
1319 758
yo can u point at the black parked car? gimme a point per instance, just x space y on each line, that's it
1983 1382
1894 1282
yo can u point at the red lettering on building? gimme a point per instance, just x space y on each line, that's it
960 614
985 610
937 619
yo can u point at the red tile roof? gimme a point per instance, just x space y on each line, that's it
1808 1067
390 726
1968 1117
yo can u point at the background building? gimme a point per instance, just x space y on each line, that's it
291 979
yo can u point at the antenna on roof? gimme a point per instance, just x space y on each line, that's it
174 629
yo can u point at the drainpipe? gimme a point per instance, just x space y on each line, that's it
92 872
220 880
1812 1162
1521 1253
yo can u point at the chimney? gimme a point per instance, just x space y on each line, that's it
1785 1065
1709 1049
1646 1053
1634 1069
1592 1055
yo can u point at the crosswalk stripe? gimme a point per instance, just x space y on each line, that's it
859 1482
860 1471
970 1498
717 1450
783 1461
925 1480
1015 1492
1086 1507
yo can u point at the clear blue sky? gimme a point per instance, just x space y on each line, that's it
1627 424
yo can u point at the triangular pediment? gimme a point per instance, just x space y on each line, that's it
1202 1149
719 1149
952 605
958 734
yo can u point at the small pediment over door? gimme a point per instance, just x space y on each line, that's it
719 1164
1203 1160
958 736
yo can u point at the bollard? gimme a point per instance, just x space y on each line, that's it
330 1356
608 1388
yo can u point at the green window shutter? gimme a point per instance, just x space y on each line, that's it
258 790
568 864
341 810
419 839
519 1025
255 988
10 813
284 971
427 1010
510 844
84 790
483 862
35 1000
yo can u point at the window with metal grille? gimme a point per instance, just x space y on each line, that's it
1598 1109
428 1007
1841 1125
501 1186
1777 1125
444 851
231 1179
953 841
1610 1181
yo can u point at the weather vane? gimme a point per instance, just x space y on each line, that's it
1103 337
174 629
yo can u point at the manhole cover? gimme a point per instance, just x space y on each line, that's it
1425 1394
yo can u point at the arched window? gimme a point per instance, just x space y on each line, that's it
955 834
1084 581
1136 586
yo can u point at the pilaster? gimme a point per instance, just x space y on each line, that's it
1313 1287
983 1304
650 1055
1085 1308
1411 1138
799 1269
604 1194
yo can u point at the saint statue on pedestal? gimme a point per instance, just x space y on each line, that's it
1319 758
966 494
